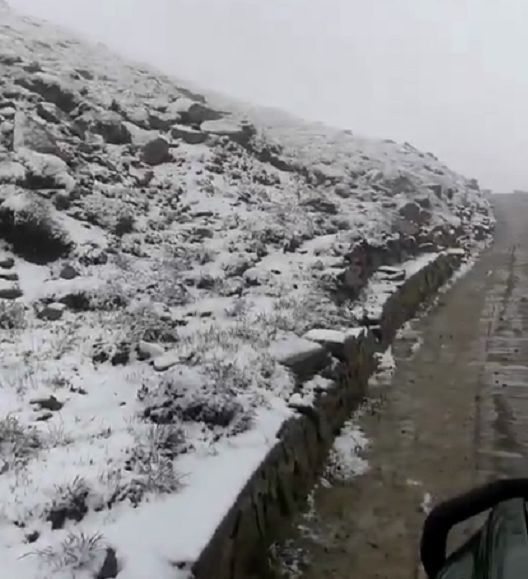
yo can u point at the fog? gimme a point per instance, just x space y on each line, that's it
446 75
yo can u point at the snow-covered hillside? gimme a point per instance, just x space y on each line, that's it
155 249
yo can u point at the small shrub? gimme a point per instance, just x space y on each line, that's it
69 503
124 223
151 462
78 552
12 316
17 443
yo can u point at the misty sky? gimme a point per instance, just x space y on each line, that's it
449 76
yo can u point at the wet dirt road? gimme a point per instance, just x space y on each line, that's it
454 413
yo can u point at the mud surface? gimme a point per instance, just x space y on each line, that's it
454 413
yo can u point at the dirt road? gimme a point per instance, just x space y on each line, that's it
454 413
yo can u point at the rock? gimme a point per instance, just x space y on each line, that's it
405 227
52 312
51 89
12 172
304 357
9 290
6 261
161 121
50 403
256 277
321 205
110 568
166 360
93 256
193 113
410 212
333 340
156 152
147 350
391 273
437 189
111 127
239 133
49 112
424 202
68 272
8 275
30 133
122 355
61 200
45 171
188 135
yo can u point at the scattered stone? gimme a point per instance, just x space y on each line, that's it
32 537
193 113
121 357
188 135
156 152
111 127
6 261
49 112
255 277
50 403
147 350
239 133
51 89
304 357
8 275
12 172
410 212
110 568
52 312
9 290
68 271
166 361
32 133
44 417
392 273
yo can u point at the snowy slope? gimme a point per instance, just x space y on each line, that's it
156 248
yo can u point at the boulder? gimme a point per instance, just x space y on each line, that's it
304 358
32 134
8 275
147 350
9 290
166 360
188 134
241 133
194 113
410 212
6 261
112 128
52 312
49 112
68 271
44 171
156 152
50 89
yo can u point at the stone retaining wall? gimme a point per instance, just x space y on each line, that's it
291 468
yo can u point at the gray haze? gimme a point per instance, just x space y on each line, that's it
449 76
